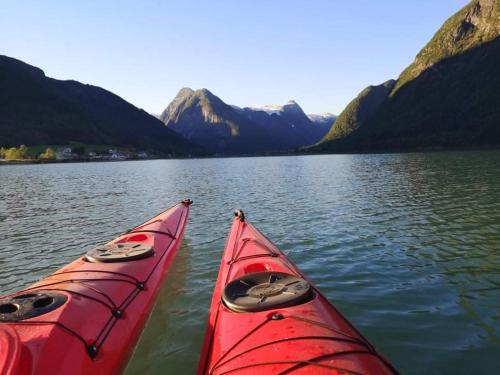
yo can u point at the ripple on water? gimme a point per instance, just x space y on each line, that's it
407 246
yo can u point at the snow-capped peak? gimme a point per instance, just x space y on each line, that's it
274 108
320 116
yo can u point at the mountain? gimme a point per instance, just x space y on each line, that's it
359 110
205 119
35 110
447 98
475 24
323 120
289 118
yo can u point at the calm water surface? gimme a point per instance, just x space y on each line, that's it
407 246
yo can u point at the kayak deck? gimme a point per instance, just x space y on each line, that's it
94 310
305 335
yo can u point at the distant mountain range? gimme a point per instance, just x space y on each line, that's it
38 110
448 97
204 119
324 120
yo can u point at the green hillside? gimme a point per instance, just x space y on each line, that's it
448 98
359 110
38 110
472 26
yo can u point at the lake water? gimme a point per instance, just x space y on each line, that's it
407 246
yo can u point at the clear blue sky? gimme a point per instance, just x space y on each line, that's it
248 52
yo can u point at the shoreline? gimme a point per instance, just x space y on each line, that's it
35 161
277 154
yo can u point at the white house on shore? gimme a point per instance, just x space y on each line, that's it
65 154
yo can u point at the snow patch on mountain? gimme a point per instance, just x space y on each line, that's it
273 108
325 116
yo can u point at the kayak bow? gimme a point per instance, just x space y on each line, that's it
87 317
267 317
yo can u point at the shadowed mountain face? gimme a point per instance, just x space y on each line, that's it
288 122
206 120
447 98
35 109
456 103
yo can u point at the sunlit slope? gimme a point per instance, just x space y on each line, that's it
447 98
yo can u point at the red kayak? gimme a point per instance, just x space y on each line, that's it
87 317
268 318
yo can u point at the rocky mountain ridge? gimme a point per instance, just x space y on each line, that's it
205 119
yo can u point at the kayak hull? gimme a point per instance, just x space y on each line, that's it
310 337
105 309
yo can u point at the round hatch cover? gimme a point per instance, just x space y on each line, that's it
29 305
261 291
119 252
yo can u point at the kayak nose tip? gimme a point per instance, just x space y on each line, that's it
187 202
92 350
239 214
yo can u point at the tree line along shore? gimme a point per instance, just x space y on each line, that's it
22 153
25 154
